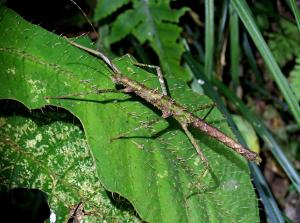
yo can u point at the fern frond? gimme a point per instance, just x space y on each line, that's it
284 43
157 24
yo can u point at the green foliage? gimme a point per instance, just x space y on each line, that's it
154 167
153 22
269 139
246 16
295 78
295 9
105 8
271 208
284 43
263 10
46 151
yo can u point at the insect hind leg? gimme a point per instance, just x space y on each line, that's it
196 146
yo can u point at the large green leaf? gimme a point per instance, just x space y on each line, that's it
154 165
45 150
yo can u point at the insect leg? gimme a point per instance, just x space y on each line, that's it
96 91
143 126
158 72
211 106
207 114
196 146
204 106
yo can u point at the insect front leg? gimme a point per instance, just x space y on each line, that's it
94 92
158 72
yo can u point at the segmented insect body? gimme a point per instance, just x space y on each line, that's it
169 107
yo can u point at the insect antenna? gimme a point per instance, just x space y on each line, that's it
85 16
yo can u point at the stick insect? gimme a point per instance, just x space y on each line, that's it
169 107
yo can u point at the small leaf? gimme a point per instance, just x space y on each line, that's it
248 133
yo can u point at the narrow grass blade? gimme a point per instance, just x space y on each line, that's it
266 95
251 59
234 47
142 55
197 44
264 134
209 36
271 207
222 26
245 14
292 4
